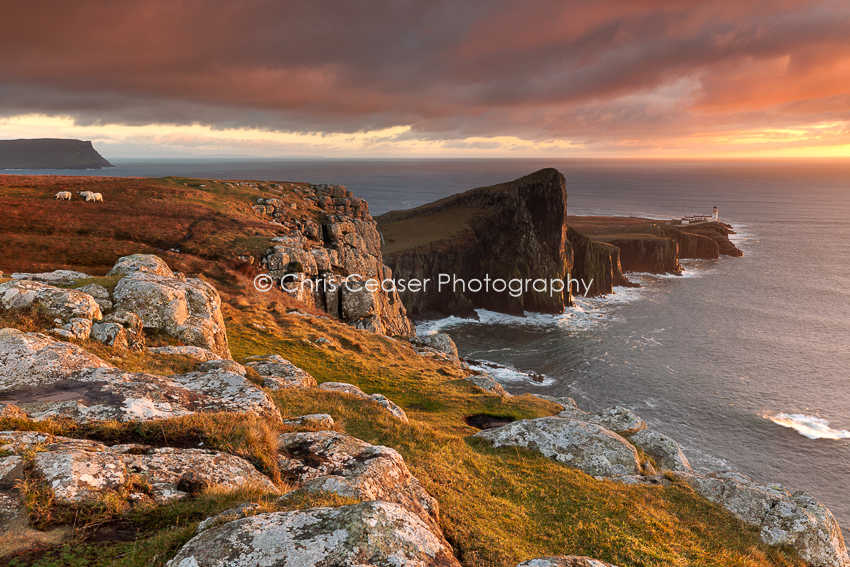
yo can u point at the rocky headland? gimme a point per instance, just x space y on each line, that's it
151 415
50 153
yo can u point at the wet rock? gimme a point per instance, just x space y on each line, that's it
278 373
586 446
797 520
564 561
326 461
315 420
188 309
79 470
381 534
488 384
380 399
144 263
663 449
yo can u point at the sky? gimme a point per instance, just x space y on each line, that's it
435 78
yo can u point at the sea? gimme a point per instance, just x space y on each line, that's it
744 361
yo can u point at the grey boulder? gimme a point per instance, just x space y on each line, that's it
585 446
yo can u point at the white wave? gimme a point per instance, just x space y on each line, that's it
504 374
808 426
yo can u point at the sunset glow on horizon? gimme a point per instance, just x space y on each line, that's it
644 79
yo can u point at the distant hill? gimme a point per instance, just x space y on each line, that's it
50 153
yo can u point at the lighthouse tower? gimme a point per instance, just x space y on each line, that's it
714 215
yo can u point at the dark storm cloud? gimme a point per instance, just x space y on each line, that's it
596 70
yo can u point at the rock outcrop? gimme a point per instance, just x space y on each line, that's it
78 470
586 446
663 449
188 309
515 230
45 377
718 232
326 461
381 534
796 520
72 311
327 261
278 373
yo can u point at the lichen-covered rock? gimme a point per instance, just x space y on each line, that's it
54 277
11 470
194 352
438 341
11 411
221 364
279 373
315 420
586 446
82 470
564 561
663 449
488 384
380 399
618 419
111 334
48 378
378 534
67 305
241 511
326 461
797 520
146 263
31 360
188 309
100 295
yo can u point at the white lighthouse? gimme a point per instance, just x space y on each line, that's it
714 215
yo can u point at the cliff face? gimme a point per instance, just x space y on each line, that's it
692 245
718 232
50 153
648 254
597 264
510 231
341 240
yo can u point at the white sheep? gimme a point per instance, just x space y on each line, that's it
84 194
63 195
94 197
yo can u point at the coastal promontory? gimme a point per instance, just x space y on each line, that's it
50 153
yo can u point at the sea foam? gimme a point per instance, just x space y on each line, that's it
808 426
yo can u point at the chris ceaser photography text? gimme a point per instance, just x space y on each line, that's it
516 287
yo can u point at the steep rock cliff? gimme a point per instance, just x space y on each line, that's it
513 230
339 241
691 245
718 232
597 264
647 253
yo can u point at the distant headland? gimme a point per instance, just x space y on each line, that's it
50 153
